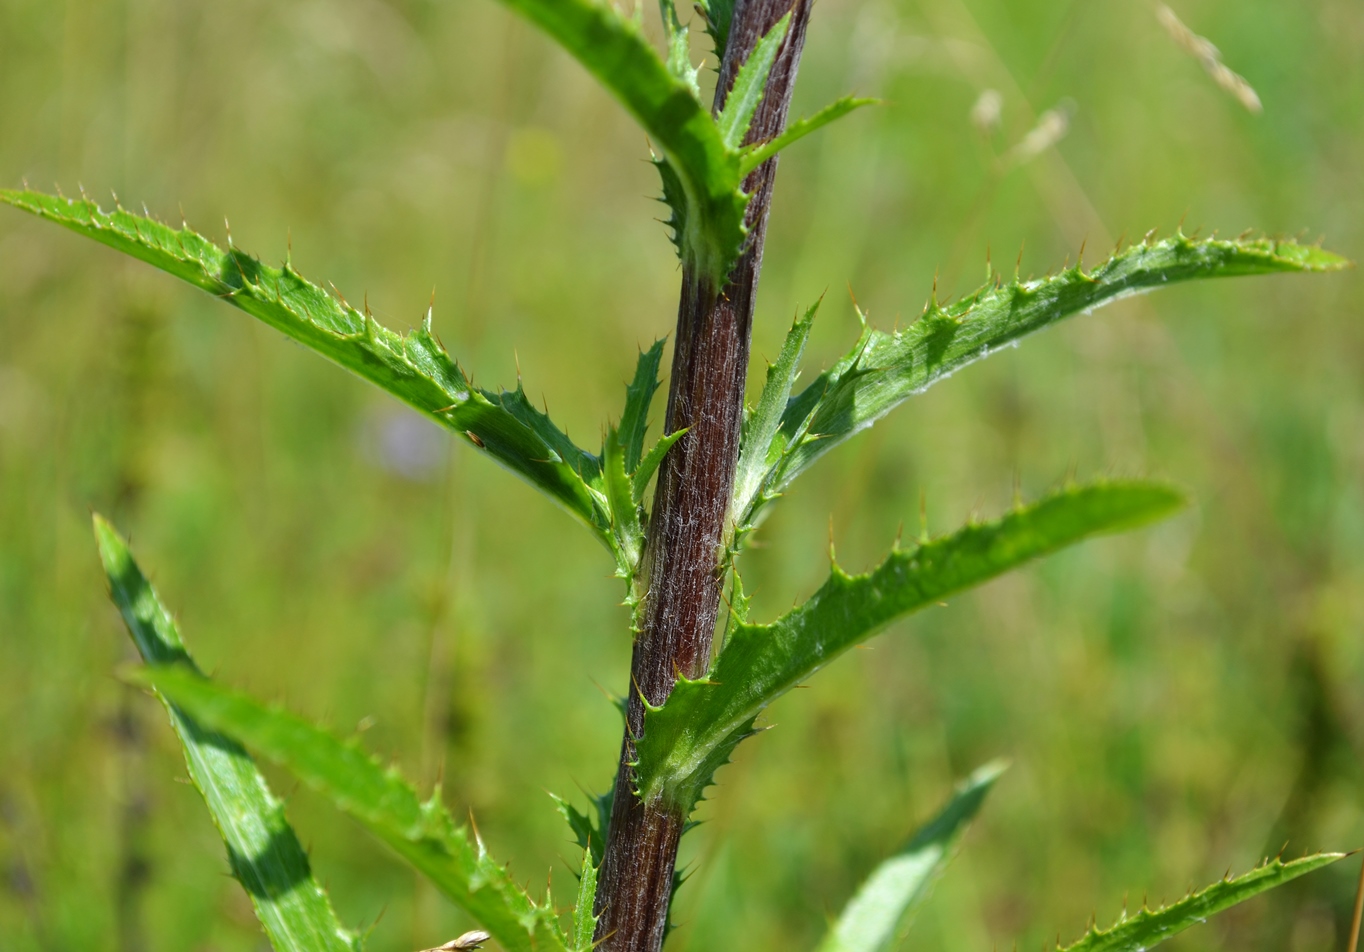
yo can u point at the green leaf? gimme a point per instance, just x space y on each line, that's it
719 14
264 854
736 604
584 922
652 459
702 721
379 799
875 917
415 368
708 206
883 370
1150 927
763 441
625 525
749 85
589 832
639 395
679 47
758 153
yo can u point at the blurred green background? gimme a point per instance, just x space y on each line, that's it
1175 702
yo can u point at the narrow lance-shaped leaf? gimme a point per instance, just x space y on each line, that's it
265 855
639 396
679 47
763 441
415 368
719 14
737 602
589 832
875 917
709 210
653 459
758 153
584 922
702 721
883 370
625 524
421 832
747 91
1150 927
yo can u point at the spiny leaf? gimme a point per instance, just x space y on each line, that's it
883 370
763 442
675 197
589 831
736 604
415 368
652 459
639 395
380 800
758 153
264 854
625 525
749 84
719 14
705 196
702 721
1150 927
679 47
584 922
875 917
590 834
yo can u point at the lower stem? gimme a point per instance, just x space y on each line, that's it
687 529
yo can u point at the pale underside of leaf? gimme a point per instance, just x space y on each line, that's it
678 42
1150 927
883 370
263 851
422 832
620 495
415 368
762 441
877 914
702 721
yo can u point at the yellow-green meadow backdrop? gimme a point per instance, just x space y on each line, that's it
1175 702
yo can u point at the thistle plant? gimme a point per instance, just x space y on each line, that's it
702 671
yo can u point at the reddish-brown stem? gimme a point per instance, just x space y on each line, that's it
687 530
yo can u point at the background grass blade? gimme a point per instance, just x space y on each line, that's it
702 721
415 368
421 832
263 852
876 915
883 370
709 211
1151 927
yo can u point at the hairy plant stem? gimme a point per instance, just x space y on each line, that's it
688 531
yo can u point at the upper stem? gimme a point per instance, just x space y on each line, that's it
687 531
